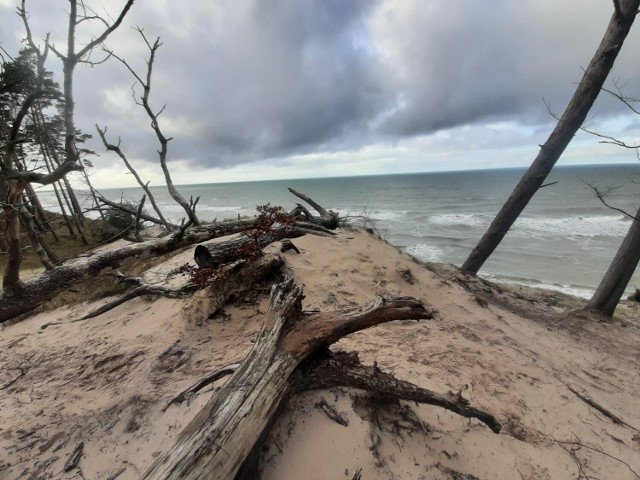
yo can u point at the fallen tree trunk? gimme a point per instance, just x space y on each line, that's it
215 253
216 443
25 296
328 218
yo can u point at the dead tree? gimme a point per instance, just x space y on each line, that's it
217 442
328 218
145 186
574 115
12 179
30 294
188 207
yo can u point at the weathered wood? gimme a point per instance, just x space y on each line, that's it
287 245
217 441
214 253
22 297
328 218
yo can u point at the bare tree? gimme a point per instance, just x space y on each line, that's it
143 100
574 115
624 263
12 179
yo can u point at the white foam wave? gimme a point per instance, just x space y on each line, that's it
386 215
426 253
453 219
219 209
574 290
601 225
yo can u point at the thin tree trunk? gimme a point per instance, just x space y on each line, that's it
96 204
74 202
39 212
573 117
45 149
620 271
40 246
11 278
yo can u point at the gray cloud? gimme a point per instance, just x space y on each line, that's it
246 80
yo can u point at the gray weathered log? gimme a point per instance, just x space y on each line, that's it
216 443
328 218
25 296
214 253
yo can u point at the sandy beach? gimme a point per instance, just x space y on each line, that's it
530 357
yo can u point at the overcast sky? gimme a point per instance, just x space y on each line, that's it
264 89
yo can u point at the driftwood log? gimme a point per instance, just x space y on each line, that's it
216 443
28 295
214 254
328 218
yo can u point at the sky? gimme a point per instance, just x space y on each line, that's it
270 89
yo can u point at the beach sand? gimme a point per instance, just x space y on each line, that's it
515 352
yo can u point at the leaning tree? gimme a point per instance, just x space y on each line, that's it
624 263
624 14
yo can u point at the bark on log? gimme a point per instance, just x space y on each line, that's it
24 297
615 281
215 253
217 441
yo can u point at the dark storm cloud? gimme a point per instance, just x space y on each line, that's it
246 80
274 78
460 62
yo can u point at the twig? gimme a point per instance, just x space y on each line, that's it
606 412
331 412
75 457
117 473
578 443
208 380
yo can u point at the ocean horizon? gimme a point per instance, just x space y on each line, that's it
564 240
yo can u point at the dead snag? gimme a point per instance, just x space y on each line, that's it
220 438
327 218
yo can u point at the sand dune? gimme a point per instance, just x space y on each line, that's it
515 352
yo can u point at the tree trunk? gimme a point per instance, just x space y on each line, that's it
216 253
41 289
620 271
11 278
573 117
216 443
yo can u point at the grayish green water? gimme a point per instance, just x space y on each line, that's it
564 240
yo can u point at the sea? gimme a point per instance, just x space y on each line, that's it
564 240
